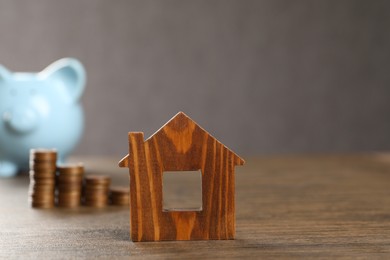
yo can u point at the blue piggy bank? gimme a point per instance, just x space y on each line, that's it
40 110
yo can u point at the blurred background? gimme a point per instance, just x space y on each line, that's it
264 77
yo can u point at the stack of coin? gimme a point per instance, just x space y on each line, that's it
120 196
42 177
96 190
69 184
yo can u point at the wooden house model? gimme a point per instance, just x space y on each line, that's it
180 145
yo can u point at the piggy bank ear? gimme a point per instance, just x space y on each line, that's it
4 73
69 75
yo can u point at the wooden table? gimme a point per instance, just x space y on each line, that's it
287 207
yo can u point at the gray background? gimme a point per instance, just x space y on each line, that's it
261 76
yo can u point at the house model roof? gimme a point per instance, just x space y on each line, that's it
181 129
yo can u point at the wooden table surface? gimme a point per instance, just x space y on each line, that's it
287 207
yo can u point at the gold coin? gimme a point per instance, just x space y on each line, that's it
42 154
71 169
97 179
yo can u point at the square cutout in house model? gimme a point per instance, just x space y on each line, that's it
180 145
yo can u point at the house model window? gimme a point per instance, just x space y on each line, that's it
180 145
182 191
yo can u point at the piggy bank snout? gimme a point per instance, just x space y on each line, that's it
21 120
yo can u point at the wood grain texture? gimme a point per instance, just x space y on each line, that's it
180 145
287 207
